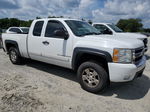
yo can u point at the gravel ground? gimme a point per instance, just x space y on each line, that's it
39 87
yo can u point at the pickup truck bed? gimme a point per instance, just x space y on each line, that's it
19 38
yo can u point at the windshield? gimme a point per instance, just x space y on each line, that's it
80 28
115 28
25 30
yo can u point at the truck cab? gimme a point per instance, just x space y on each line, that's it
97 59
111 29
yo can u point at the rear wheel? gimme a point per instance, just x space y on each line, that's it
92 77
14 56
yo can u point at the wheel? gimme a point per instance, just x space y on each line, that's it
92 77
14 56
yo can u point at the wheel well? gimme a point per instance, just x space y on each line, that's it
9 45
91 57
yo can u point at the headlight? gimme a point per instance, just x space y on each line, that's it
122 55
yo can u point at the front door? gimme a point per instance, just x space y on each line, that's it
56 48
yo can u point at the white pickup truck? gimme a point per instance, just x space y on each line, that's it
98 59
111 29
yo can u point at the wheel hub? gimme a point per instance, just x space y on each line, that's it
90 77
13 56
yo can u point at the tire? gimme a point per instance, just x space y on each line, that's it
92 77
14 56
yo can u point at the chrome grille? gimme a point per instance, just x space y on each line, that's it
139 52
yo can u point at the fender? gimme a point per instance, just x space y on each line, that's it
13 43
80 50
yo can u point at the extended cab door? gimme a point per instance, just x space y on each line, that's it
35 45
56 49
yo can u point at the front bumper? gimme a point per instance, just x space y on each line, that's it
126 72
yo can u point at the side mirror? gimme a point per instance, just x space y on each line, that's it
61 33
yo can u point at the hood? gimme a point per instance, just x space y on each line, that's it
131 35
110 41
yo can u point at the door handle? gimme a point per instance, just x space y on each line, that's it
45 42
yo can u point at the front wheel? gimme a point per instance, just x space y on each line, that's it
92 77
14 56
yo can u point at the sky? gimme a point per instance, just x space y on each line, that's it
96 10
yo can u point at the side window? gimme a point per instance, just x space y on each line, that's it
15 30
100 27
52 26
38 28
11 29
103 29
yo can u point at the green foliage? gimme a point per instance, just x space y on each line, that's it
146 30
5 23
130 25
25 23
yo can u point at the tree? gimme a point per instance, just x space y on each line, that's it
130 25
5 23
25 23
146 30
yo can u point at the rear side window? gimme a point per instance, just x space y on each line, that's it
15 30
38 28
52 26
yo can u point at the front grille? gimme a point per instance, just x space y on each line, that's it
139 52
145 41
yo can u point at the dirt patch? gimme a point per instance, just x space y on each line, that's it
20 102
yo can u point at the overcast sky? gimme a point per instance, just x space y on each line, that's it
96 10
